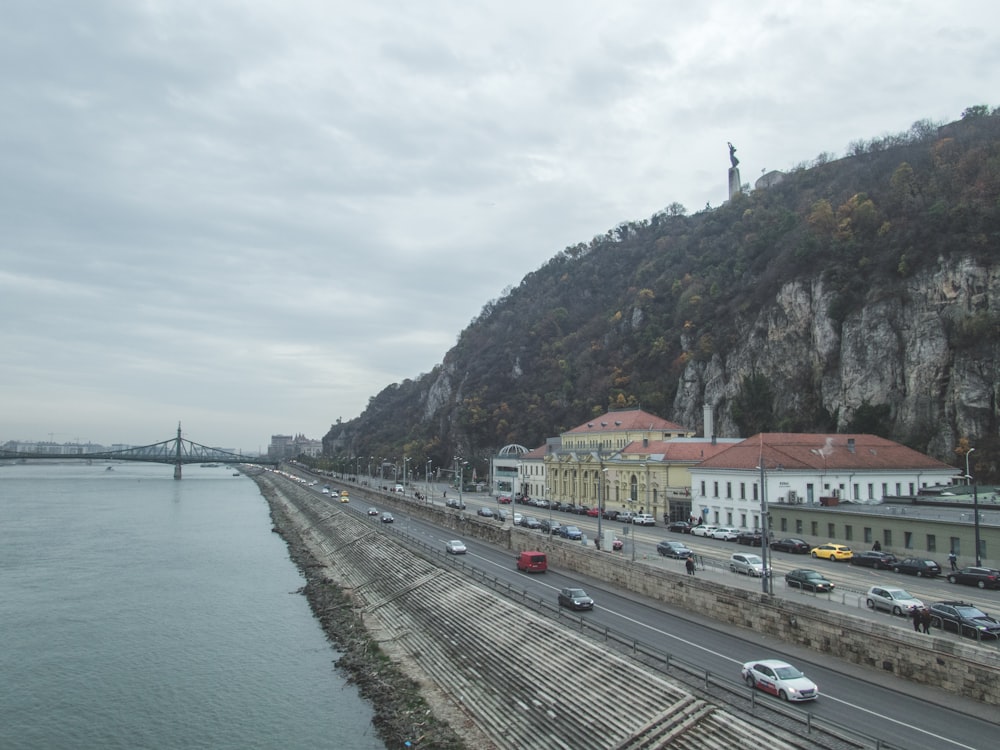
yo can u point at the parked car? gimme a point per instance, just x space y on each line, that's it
504 500
984 578
703 530
566 507
779 678
917 566
570 532
965 619
897 601
593 512
518 517
485 512
455 547
550 527
676 550
400 489
752 538
454 502
575 599
530 522
679 527
581 510
810 580
644 519
831 551
726 533
750 565
611 514
795 546
874 559
387 518
625 516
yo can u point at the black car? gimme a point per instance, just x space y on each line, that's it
873 559
680 527
797 546
984 578
751 538
810 580
676 550
454 502
570 532
565 507
964 618
610 513
550 527
917 566
530 522
575 599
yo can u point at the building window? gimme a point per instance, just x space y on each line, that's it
857 492
729 518
868 534
931 543
831 530
871 491
908 539
798 525
729 490
885 489
887 538
784 525
956 545
814 528
715 489
755 492
743 490
912 489
848 533
703 488
899 489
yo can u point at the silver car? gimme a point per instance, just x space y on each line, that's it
895 600
747 564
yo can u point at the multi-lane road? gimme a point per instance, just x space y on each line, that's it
897 712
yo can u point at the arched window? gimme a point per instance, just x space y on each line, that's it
633 490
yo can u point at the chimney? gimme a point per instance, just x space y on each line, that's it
709 422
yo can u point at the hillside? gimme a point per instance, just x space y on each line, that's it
858 294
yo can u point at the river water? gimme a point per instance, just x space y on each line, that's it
137 611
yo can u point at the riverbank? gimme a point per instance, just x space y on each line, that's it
403 716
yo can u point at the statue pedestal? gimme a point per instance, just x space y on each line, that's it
734 182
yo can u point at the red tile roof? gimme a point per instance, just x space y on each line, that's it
631 419
822 452
681 450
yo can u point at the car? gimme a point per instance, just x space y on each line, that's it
964 618
455 547
917 566
679 527
795 546
581 510
779 678
373 511
454 502
611 514
504 500
387 518
644 519
752 538
804 578
400 489
593 512
676 550
570 532
626 516
485 512
703 530
532 561
345 496
750 565
984 578
894 600
874 559
530 522
617 544
550 526
502 515
726 533
575 599
832 552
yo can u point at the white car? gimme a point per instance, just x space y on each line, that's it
703 530
726 533
644 519
781 679
895 600
455 547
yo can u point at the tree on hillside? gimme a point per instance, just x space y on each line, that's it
753 407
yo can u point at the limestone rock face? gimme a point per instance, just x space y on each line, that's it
927 348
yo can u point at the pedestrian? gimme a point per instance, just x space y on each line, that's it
916 615
952 558
877 547
925 619
689 565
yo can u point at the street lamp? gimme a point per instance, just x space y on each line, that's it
427 476
405 475
975 504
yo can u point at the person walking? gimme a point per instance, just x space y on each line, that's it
689 565
953 558
925 619
915 613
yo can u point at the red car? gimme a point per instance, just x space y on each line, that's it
593 512
504 500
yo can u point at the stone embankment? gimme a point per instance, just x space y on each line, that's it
499 675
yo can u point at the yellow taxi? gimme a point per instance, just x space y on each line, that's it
831 551
345 496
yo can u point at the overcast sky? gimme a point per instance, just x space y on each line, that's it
250 217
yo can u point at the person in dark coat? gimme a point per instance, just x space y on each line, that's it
877 547
916 615
925 619
689 565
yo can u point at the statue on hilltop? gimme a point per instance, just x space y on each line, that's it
732 155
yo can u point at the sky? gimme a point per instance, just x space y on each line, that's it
251 217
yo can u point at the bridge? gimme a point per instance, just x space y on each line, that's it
176 451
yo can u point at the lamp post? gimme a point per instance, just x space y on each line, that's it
405 475
975 504
370 459
427 476
764 548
